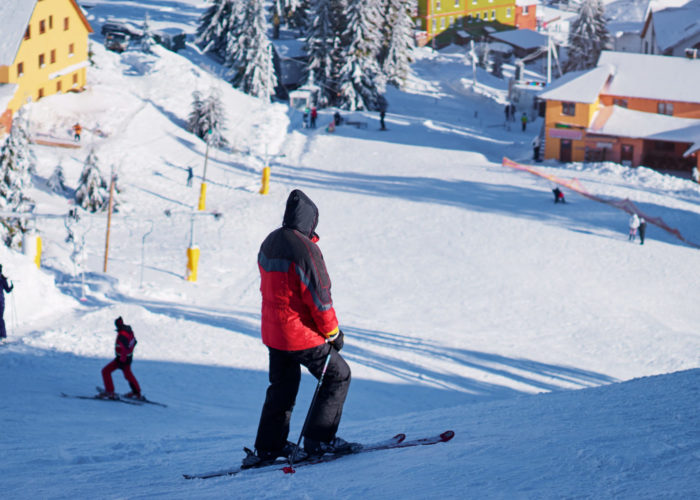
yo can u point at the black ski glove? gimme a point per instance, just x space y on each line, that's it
337 340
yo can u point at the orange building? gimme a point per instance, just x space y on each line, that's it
634 109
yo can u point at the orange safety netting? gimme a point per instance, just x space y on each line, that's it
626 205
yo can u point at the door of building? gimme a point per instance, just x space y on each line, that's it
627 154
565 150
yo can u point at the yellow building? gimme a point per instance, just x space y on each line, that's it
43 51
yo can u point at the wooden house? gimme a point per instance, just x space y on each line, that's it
635 109
43 51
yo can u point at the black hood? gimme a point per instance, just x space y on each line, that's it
301 213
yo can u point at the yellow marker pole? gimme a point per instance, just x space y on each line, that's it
37 258
265 180
192 263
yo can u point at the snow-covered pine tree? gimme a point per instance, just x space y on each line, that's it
359 78
16 160
57 181
296 13
398 29
93 192
147 40
322 41
214 26
249 55
208 114
588 37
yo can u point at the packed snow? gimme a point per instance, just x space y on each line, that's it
564 356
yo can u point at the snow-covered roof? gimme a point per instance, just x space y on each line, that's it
673 25
523 38
7 92
579 86
652 76
623 122
290 47
14 18
522 3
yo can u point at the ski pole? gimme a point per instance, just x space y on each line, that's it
292 456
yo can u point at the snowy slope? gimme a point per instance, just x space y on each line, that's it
564 357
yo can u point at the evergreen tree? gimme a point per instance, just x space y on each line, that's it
208 114
359 78
147 40
57 181
296 12
93 192
588 37
398 29
322 41
249 54
16 160
214 26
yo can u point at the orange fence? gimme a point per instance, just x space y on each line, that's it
626 205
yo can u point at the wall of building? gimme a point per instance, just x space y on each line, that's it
559 126
680 109
64 49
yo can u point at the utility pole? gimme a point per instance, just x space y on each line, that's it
203 188
109 219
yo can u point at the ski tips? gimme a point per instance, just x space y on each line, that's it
288 470
447 435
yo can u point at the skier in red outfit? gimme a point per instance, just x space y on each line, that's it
124 350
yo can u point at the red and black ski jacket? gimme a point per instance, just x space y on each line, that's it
297 309
124 346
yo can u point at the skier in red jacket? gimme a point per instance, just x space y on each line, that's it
124 350
299 327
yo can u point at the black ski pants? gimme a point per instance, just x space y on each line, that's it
285 375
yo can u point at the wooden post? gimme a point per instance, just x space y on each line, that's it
109 220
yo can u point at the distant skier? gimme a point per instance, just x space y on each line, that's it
558 195
190 176
77 130
305 123
523 121
642 229
4 288
337 119
634 225
314 115
299 328
382 105
124 350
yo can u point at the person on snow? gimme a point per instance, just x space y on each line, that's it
314 115
642 229
190 176
299 327
77 129
558 195
382 104
523 120
124 350
536 143
634 224
4 288
305 123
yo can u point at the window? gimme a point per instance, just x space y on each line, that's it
484 15
66 24
664 146
525 10
28 33
437 5
71 50
42 60
434 25
442 23
456 3
53 56
419 22
50 22
59 86
75 79
508 12
41 93
493 15
665 108
474 2
620 102
42 26
452 21
568 108
20 69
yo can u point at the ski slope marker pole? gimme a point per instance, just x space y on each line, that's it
290 468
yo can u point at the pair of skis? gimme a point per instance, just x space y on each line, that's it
118 399
398 441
